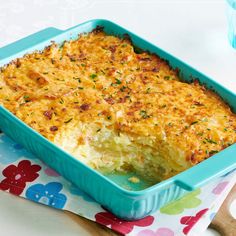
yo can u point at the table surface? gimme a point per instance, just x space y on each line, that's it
192 30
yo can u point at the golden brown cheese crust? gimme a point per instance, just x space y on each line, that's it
100 79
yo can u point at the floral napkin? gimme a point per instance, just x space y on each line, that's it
24 175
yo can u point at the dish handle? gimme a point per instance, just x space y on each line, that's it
28 42
218 165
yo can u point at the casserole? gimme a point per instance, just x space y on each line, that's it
124 203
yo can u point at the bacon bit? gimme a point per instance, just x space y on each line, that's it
124 59
130 113
137 105
48 114
112 48
196 82
98 102
63 109
104 112
37 77
203 88
177 70
18 63
144 79
111 71
110 101
197 103
155 69
53 128
85 107
123 100
81 56
51 97
141 58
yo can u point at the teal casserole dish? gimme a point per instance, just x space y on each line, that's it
130 204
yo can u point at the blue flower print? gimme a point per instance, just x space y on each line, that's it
11 151
76 191
48 194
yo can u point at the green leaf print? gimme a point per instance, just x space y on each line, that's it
186 202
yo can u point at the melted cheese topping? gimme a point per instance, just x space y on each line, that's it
116 109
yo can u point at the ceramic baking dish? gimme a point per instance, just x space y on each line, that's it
127 204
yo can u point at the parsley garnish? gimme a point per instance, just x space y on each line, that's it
210 141
193 123
118 81
144 114
61 101
77 78
213 152
27 99
93 76
122 89
68 120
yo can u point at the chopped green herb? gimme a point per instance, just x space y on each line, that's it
68 120
77 78
72 59
163 106
213 152
210 141
225 129
166 77
118 81
27 99
80 88
144 114
193 123
109 117
45 73
61 101
98 130
118 72
93 76
103 72
200 134
83 65
122 89
148 90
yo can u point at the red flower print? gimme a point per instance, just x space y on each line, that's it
18 176
121 226
190 221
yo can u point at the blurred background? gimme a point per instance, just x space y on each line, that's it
192 30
